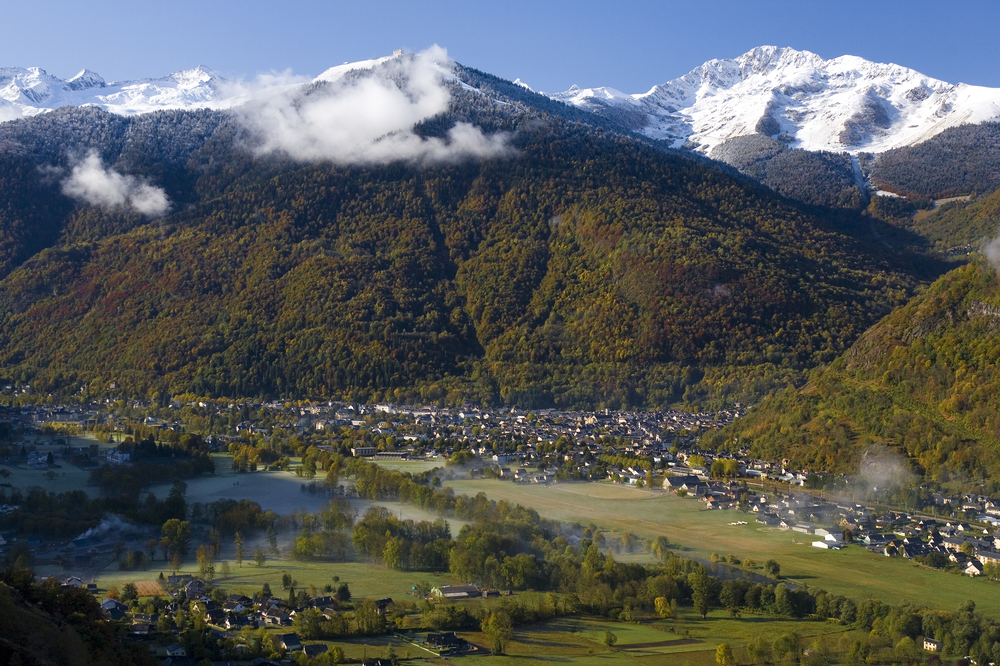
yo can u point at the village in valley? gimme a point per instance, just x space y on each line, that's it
654 452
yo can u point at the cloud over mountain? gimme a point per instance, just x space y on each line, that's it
369 119
92 182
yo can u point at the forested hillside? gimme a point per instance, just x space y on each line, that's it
47 625
961 223
583 268
820 178
960 160
923 381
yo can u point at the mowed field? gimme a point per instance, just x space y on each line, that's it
280 492
699 532
578 640
413 466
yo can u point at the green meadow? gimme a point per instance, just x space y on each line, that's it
698 532
279 491
579 640
365 580
63 476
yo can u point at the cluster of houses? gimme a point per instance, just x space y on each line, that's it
952 541
476 425
239 611
985 509
890 533
232 615
410 423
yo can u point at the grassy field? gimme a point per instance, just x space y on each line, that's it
698 532
412 466
365 580
67 476
578 640
280 492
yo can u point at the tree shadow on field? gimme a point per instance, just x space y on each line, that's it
530 641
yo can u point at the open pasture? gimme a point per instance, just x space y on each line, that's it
697 532
65 476
412 466
364 579
579 640
276 491
280 492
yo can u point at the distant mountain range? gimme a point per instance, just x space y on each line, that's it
843 104
30 91
484 243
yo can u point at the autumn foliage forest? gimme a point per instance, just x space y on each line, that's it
589 269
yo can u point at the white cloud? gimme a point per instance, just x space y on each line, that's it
369 120
8 112
92 182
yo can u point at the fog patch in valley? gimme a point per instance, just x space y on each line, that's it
882 469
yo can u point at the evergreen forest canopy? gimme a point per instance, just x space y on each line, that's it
590 269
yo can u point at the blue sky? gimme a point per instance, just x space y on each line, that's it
629 45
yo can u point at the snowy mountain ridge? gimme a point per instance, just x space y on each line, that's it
843 104
28 91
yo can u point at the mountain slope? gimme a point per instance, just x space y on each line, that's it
960 160
584 269
970 224
842 104
923 381
45 625
819 178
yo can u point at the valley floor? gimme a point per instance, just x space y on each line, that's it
698 532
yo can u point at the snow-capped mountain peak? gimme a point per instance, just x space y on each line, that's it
843 104
85 80
28 91
192 78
